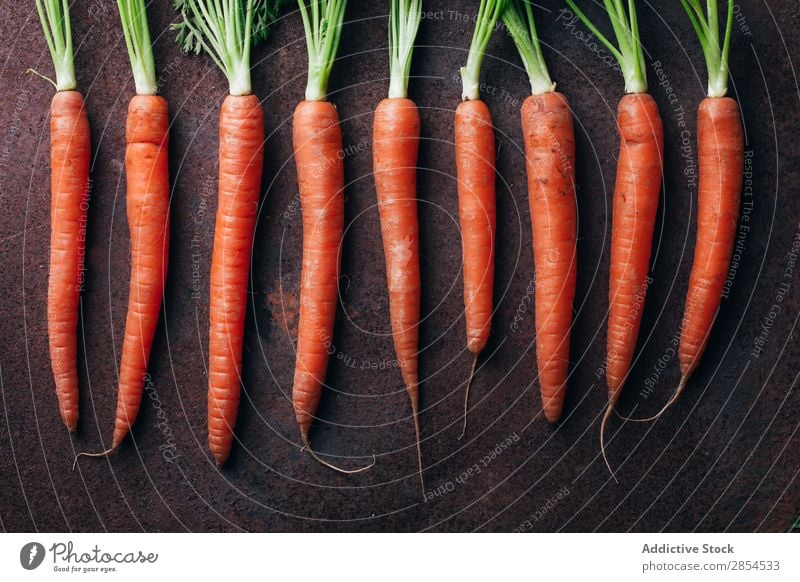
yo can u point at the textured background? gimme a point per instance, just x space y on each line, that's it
726 458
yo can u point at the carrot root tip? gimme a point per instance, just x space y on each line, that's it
415 412
321 461
681 387
466 395
106 453
606 416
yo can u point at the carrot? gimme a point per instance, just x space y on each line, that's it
241 140
395 146
720 145
70 150
147 200
475 168
550 160
636 197
317 142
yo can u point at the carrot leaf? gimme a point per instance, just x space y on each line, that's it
54 16
521 25
628 51
322 22
489 13
140 50
707 26
226 30
404 18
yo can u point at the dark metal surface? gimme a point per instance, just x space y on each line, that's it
726 458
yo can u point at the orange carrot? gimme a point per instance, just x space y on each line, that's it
477 212
241 157
395 142
317 142
241 140
69 171
475 161
636 196
720 141
550 159
70 150
147 198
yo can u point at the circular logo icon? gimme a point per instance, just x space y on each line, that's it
31 555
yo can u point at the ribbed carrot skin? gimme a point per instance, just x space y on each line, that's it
550 159
241 159
70 151
395 141
475 172
147 199
720 140
317 142
636 198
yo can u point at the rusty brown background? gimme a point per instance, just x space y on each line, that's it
726 458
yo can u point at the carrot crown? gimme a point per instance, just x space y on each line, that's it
707 28
54 15
226 30
522 27
140 50
489 13
404 20
629 52
322 23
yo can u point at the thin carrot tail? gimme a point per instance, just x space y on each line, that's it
606 416
681 387
321 461
415 414
466 394
103 454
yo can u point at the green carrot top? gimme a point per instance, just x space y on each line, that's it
54 15
629 52
518 18
322 22
404 18
707 26
489 13
140 50
226 31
